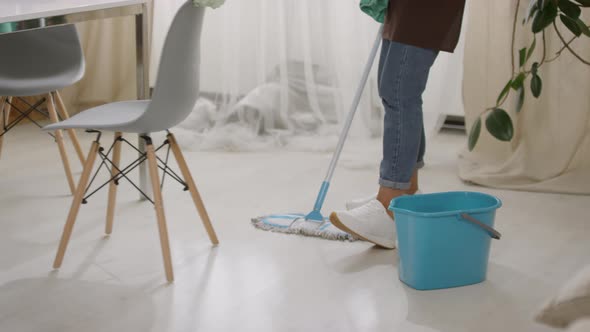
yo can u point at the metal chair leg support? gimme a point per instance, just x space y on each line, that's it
32 108
8 125
164 162
104 157
122 174
117 173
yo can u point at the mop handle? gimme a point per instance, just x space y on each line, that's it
354 106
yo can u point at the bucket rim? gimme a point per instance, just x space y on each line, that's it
396 209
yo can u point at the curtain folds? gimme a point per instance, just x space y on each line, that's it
551 148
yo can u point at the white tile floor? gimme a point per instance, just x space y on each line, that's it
258 281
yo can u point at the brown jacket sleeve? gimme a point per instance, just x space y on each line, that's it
433 24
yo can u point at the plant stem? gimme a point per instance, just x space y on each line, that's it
512 48
514 37
544 49
512 51
566 44
558 53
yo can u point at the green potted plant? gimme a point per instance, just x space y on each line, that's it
542 16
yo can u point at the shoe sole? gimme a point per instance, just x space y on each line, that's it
338 224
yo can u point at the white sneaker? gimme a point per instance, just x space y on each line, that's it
369 222
362 201
359 202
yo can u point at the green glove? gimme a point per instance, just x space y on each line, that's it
375 8
6 27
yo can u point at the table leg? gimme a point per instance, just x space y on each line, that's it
143 85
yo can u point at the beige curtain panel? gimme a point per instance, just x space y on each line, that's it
551 148
109 49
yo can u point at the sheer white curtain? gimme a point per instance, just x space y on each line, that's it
275 71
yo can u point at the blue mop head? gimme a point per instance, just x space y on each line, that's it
296 223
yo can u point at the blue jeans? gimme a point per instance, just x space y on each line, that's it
403 73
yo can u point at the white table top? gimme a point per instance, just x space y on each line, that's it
19 10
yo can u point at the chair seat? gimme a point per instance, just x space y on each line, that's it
32 86
119 116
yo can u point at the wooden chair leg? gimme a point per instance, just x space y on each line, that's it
63 112
78 197
7 109
159 206
60 143
112 186
2 121
192 188
5 113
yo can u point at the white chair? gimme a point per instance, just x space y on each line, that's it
40 62
174 97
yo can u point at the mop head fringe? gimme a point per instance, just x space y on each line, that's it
297 224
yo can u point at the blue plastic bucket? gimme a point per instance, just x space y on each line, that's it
444 238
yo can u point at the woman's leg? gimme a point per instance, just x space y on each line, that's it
403 75
403 71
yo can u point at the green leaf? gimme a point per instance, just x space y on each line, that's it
571 25
520 101
522 57
535 68
533 8
569 8
544 17
536 85
504 92
583 27
518 81
531 49
500 125
583 3
474 134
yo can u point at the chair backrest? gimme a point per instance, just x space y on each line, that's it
42 53
177 85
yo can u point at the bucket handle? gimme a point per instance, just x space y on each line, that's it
493 233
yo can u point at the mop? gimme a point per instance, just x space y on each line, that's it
314 223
